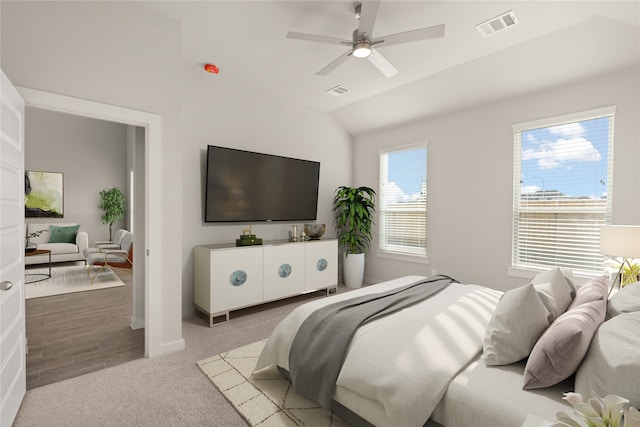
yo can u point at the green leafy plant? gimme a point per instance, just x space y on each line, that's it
113 203
630 273
630 270
33 234
353 210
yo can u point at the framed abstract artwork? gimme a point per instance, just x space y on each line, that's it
43 194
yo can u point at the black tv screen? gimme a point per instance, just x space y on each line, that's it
243 186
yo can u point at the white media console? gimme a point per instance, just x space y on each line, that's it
227 278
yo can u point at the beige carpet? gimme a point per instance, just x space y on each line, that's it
65 280
264 398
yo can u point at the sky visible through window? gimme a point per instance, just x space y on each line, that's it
404 174
569 158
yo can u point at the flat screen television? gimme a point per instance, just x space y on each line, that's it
244 186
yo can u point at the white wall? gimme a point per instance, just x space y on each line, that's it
470 175
90 153
117 53
217 113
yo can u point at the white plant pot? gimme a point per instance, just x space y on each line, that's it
353 270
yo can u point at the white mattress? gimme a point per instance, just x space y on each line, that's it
492 396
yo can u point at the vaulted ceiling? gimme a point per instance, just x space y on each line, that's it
555 43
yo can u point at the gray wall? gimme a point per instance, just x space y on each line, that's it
116 53
470 176
216 112
90 153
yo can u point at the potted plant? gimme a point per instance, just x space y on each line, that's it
28 246
353 210
113 203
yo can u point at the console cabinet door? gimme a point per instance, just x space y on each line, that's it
321 264
236 278
283 271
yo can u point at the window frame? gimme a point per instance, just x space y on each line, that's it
385 252
522 269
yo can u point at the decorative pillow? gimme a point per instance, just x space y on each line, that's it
612 363
515 326
571 280
626 300
556 292
594 289
561 348
63 234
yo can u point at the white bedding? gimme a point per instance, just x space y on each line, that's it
398 368
492 396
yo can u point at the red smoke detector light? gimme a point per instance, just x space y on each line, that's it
210 68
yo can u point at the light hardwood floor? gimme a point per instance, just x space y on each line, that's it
74 334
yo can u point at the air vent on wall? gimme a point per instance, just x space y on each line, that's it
497 24
338 90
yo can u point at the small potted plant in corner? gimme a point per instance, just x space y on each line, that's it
353 210
113 203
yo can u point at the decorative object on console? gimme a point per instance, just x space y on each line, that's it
314 231
621 241
114 205
353 209
248 239
43 194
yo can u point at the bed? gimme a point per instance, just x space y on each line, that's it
424 364
447 328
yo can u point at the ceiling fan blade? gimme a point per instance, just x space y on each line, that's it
382 64
410 36
368 13
334 64
320 39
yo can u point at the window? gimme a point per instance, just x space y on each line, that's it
403 201
562 190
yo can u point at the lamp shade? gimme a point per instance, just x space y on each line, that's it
620 240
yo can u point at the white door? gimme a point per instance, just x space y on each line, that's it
12 323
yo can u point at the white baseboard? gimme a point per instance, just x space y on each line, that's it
137 323
172 347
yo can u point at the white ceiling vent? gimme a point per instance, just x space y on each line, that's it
338 90
497 24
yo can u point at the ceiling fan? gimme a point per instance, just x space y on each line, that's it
363 43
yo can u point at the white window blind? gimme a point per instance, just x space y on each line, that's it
403 201
562 190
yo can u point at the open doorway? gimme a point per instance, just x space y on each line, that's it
148 248
75 325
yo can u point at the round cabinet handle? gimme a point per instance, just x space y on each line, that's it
6 285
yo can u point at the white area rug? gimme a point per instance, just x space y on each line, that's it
65 280
264 398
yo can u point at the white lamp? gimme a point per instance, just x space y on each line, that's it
620 241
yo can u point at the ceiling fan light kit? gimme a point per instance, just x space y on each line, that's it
361 49
361 45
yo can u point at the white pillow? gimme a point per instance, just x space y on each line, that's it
515 326
612 364
555 290
626 300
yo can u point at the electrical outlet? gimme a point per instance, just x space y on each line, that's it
434 272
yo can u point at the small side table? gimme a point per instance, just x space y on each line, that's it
46 276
